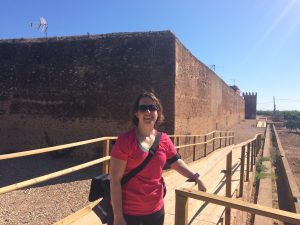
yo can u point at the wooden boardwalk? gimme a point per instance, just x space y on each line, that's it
212 173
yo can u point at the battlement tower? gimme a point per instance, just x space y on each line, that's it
250 105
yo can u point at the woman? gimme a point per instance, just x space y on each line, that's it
140 200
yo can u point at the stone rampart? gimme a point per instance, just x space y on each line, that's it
61 90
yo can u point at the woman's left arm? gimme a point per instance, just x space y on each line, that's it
184 170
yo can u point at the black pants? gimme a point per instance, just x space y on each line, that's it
156 218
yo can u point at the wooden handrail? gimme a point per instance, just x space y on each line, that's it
40 179
54 148
247 141
72 169
201 143
75 144
199 135
184 193
79 214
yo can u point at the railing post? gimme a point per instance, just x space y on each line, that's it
254 152
242 171
105 153
232 137
248 162
220 139
260 146
194 149
226 135
213 147
228 185
178 142
181 209
251 157
205 145
257 145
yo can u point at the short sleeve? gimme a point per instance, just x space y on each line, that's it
171 153
120 150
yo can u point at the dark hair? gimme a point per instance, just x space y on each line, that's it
160 115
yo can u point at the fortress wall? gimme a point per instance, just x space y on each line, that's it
203 101
61 90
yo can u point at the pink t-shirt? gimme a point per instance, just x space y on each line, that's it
143 194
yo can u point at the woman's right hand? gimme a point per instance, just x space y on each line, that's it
119 220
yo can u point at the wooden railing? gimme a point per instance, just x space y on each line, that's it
183 194
247 158
224 136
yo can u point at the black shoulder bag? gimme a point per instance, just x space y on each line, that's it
100 186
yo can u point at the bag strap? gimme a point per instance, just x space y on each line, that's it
137 169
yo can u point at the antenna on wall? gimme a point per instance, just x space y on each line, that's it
274 105
233 80
213 67
42 25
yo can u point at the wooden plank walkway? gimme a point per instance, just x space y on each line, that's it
212 173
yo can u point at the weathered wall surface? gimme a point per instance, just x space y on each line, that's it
60 90
203 102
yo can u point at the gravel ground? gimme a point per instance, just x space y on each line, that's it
51 201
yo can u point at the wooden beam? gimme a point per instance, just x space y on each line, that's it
248 162
251 157
281 215
105 153
213 148
54 148
181 209
60 173
194 149
78 214
205 146
242 171
220 139
228 185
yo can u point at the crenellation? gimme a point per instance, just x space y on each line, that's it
250 104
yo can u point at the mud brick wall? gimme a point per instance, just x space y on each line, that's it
61 90
203 102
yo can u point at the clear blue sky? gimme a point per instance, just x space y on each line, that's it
254 44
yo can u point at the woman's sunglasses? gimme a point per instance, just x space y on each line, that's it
144 108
